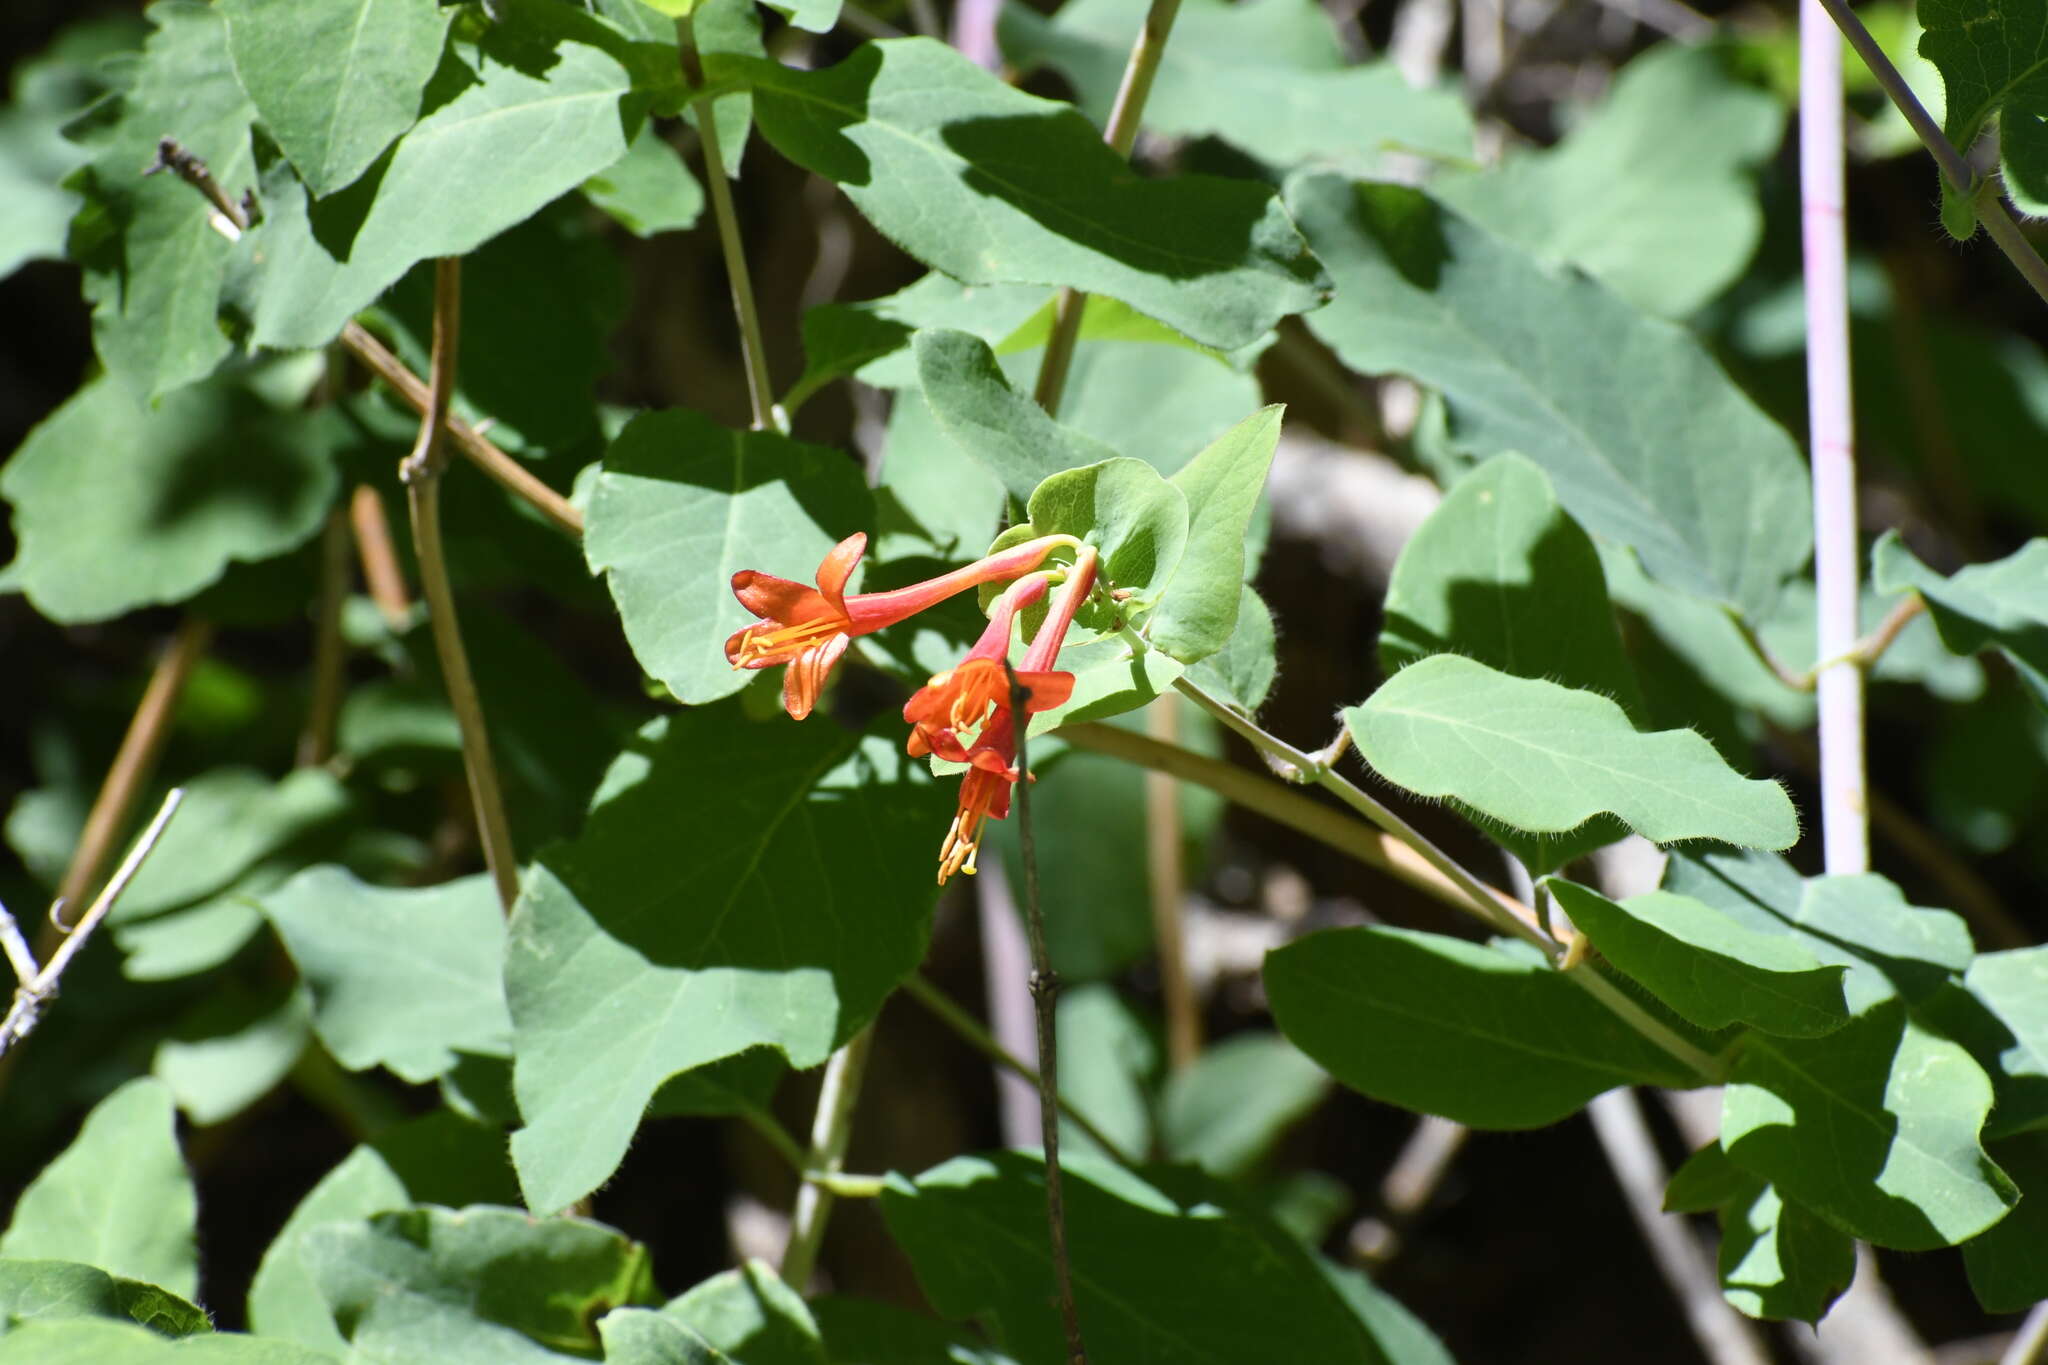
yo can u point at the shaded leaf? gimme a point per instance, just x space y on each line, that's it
231 1049
2002 604
1990 58
1006 431
493 1286
90 1341
1777 1260
1225 1111
1874 1127
118 1197
868 1332
992 185
643 1336
117 506
66 1289
1442 1026
648 190
400 978
1241 673
1293 96
1552 365
1706 966
335 81
154 265
752 1316
627 966
231 820
2008 1265
1109 1059
1121 506
1679 227
1546 759
681 505
1241 1289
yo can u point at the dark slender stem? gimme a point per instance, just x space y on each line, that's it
753 348
1045 990
421 472
1997 221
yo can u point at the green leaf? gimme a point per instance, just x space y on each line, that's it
1293 96
931 500
1862 923
231 820
438 1158
649 190
682 503
868 1332
1708 967
1706 1181
1222 487
66 1289
36 155
492 1286
2008 1265
2002 604
1109 680
1122 507
813 16
1178 1269
154 264
197 938
2014 987
1442 1026
1552 365
1109 1058
335 81
231 1049
1006 431
536 115
992 185
89 1341
1546 759
1778 1260
1874 1127
1681 224
118 507
642 1336
1241 673
118 1197
1990 58
752 1316
1501 573
1225 1111
627 965
400 978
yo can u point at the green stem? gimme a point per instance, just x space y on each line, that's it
1124 118
830 1128
753 348
979 1038
1476 897
421 472
1954 166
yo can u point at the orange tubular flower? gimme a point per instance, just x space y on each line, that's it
985 791
962 697
808 628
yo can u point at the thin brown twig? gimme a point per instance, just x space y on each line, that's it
421 472
38 990
323 709
379 556
1045 989
231 220
1864 653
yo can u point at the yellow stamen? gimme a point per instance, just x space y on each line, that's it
758 645
963 843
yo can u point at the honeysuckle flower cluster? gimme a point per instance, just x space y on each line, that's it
965 714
